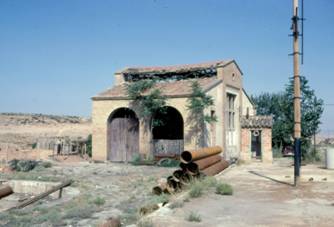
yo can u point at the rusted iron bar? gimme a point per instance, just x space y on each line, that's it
216 168
190 156
5 191
43 195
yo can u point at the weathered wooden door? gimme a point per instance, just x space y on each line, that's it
123 135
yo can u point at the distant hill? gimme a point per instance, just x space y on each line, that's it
38 119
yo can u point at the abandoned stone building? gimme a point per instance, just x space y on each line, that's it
119 134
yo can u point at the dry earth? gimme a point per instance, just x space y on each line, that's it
19 131
263 196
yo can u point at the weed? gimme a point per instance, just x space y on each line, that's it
224 189
145 223
136 159
167 162
196 189
194 217
99 201
176 204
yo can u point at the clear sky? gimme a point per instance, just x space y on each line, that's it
55 55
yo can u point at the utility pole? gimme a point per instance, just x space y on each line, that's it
297 94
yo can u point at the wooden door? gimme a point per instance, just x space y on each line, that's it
124 139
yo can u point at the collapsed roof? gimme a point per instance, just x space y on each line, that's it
186 71
171 89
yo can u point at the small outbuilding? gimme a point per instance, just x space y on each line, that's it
119 134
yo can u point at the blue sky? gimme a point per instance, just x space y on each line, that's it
55 55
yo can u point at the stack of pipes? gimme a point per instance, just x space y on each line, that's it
202 162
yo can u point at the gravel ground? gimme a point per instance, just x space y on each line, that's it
106 190
263 196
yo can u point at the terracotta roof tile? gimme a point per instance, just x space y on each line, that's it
178 88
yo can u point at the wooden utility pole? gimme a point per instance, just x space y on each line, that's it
297 94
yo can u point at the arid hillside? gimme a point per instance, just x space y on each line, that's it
21 131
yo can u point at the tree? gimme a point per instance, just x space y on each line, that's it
197 103
280 106
146 100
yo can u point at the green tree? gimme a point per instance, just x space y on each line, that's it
197 103
280 106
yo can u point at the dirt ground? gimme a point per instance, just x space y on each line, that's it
106 190
263 196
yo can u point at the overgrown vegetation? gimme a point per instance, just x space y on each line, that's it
197 187
99 201
137 159
194 217
146 100
224 189
27 165
89 145
168 162
62 214
197 105
280 106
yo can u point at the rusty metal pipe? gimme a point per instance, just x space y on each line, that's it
189 156
178 174
5 191
192 168
209 161
183 166
186 179
216 168
157 190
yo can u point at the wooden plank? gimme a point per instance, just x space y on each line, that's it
43 195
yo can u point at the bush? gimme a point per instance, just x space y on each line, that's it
194 217
168 162
136 159
224 189
99 201
176 204
22 165
196 189
312 156
89 145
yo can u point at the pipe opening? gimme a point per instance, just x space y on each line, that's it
192 168
186 156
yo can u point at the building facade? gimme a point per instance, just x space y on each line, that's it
119 134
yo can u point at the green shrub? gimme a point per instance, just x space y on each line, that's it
224 189
34 145
168 162
99 201
176 204
89 145
196 189
22 165
194 217
136 159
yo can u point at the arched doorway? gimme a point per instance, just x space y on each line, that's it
123 135
167 130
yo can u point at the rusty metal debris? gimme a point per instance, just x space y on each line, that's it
194 164
44 194
5 191
216 168
190 156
